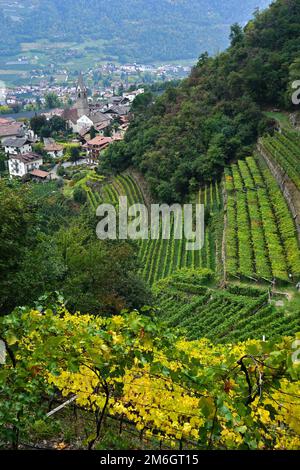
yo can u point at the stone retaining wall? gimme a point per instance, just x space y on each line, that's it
289 189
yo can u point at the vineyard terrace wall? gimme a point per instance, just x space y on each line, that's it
288 188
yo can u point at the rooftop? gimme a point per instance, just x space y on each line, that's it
100 140
26 157
53 147
11 128
6 121
71 115
39 174
99 117
15 141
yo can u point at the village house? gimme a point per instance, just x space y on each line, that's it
122 130
14 129
102 128
133 94
84 134
10 128
53 149
54 112
40 175
16 145
95 146
117 110
22 164
94 119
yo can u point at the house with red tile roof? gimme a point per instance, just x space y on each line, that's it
40 175
95 146
11 129
52 148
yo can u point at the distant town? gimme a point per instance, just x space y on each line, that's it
41 148
103 81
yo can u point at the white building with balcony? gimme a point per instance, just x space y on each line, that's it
21 164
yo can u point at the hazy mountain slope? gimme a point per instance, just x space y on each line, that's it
193 131
135 29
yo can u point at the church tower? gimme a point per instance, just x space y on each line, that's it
82 104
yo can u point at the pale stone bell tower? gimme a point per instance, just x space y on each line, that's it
82 104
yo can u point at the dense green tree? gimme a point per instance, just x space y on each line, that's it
3 160
141 102
79 195
236 34
5 109
16 219
74 154
61 171
116 159
91 274
47 128
57 124
37 123
47 244
93 132
107 131
52 101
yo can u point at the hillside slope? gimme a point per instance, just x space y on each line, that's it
135 30
214 117
260 231
282 154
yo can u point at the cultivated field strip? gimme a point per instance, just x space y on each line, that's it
160 258
261 240
229 315
284 149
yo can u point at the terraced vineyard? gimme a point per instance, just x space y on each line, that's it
122 185
228 315
92 196
261 241
160 258
284 149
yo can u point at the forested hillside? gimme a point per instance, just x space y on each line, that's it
135 30
48 244
214 117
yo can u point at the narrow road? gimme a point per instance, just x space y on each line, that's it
53 172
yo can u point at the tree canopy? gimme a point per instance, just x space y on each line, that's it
48 245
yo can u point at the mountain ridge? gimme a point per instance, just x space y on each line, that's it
137 30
